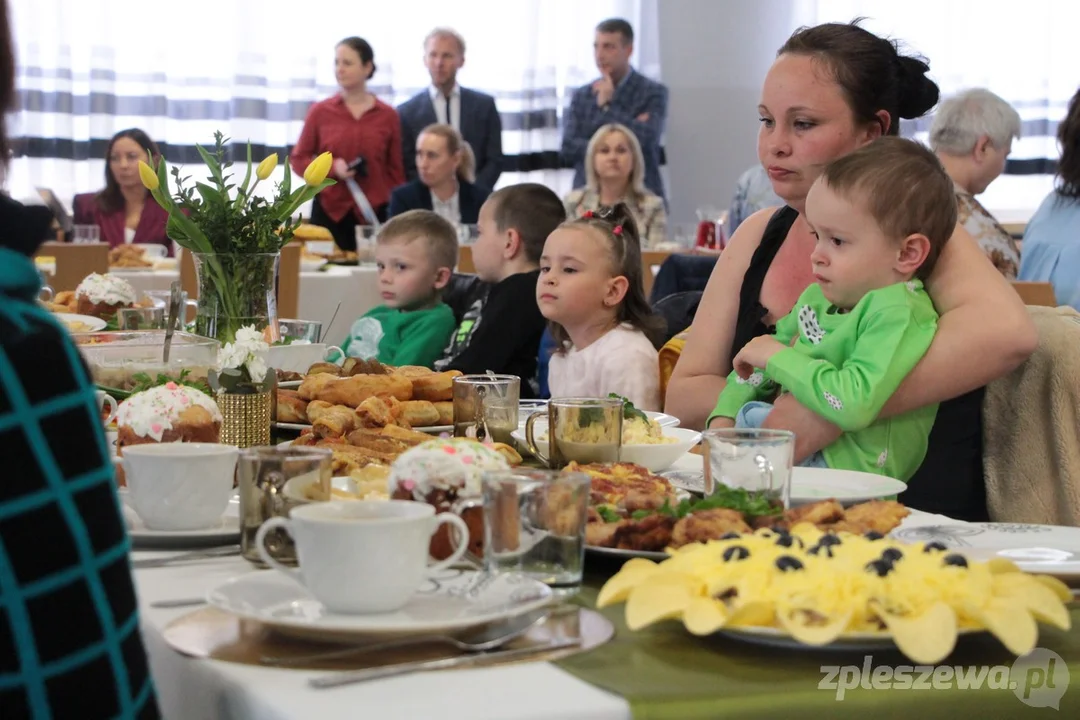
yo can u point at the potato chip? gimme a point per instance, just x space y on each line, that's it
633 573
1064 594
1010 622
808 626
1039 599
927 638
666 596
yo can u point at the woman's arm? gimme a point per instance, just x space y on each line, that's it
984 329
705 362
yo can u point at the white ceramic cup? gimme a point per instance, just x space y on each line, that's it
104 400
363 557
179 486
298 357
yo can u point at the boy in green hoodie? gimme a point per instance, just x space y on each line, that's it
416 253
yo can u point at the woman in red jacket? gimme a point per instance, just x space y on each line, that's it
124 210
364 135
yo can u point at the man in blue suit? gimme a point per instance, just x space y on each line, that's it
621 95
471 113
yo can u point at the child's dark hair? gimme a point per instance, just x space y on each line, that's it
620 234
534 210
904 188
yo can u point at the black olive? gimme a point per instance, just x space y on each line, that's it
881 568
789 540
730 536
930 546
892 554
780 530
735 552
830 539
957 560
873 535
785 563
821 548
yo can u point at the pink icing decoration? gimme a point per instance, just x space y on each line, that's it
171 385
408 485
156 427
467 460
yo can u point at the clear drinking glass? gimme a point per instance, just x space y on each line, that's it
467 234
534 524
365 243
754 459
141 318
486 407
82 234
584 430
310 330
272 481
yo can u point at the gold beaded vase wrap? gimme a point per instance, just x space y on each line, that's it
245 418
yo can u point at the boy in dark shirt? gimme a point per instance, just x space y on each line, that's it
501 332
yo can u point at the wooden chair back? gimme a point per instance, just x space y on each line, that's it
288 290
465 263
75 262
1036 293
651 260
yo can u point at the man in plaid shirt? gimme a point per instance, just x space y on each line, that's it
621 95
69 622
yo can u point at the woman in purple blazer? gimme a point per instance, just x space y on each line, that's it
124 210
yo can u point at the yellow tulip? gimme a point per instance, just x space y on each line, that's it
319 168
266 167
148 176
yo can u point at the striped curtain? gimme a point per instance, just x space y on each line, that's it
1025 52
251 68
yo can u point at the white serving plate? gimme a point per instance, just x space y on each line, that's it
93 324
450 601
848 487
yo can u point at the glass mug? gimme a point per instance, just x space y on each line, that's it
486 407
584 430
534 524
140 318
273 481
753 459
309 330
86 234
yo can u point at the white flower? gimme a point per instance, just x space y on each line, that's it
247 335
256 368
231 356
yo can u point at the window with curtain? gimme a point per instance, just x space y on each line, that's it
251 68
1024 52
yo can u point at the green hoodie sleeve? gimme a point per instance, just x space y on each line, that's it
891 340
737 391
421 337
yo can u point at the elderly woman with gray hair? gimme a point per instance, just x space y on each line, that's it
972 134
614 173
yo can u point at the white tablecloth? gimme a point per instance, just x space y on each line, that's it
193 688
356 288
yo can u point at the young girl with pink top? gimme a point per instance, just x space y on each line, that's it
590 290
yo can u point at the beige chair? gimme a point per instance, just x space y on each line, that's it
1031 429
75 262
1036 293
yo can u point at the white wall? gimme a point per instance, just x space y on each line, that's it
714 55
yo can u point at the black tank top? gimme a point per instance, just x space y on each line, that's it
950 479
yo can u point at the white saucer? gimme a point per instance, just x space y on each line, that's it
450 601
848 487
93 324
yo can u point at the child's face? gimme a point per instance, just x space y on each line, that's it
576 284
852 256
408 279
489 250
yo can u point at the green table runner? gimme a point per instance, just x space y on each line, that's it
665 672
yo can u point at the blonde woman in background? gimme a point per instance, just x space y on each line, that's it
446 170
614 173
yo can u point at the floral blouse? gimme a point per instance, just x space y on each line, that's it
998 245
648 212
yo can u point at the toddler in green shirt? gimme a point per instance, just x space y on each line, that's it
415 253
881 216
